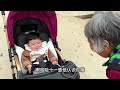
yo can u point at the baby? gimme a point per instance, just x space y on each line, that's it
34 49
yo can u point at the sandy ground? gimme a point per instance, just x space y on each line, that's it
73 44
5 67
75 47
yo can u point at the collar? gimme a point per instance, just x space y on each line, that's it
114 55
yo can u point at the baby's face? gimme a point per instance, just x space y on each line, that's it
35 45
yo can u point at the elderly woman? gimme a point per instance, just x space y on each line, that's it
103 34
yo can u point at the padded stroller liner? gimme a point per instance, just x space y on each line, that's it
55 74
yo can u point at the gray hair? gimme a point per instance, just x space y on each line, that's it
103 26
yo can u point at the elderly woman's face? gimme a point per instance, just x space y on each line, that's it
91 44
105 52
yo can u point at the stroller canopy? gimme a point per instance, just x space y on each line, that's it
48 17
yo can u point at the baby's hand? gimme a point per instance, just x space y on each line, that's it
55 62
44 55
29 68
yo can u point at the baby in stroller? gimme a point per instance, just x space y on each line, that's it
19 25
36 52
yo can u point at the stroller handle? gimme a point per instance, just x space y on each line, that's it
3 12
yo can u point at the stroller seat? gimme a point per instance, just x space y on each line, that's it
19 51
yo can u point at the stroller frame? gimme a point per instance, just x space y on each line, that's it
15 64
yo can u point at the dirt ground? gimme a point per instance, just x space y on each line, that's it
72 42
75 47
5 67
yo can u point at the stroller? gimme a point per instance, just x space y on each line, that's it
20 22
